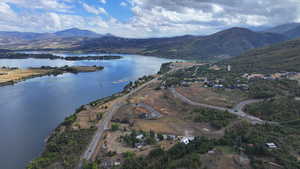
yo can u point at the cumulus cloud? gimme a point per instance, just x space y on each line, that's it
94 10
151 17
56 5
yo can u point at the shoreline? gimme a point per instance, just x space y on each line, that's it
11 76
67 126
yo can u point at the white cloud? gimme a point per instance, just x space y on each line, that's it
6 10
150 17
56 5
103 1
124 4
94 10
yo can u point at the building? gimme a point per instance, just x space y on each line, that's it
271 145
187 140
140 137
229 68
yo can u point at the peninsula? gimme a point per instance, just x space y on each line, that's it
10 76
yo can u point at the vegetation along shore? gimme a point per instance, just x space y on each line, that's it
13 55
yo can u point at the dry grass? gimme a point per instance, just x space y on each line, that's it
225 98
19 74
219 160
15 75
297 77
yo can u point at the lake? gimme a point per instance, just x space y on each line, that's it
30 110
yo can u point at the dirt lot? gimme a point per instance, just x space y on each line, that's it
218 159
217 97
113 143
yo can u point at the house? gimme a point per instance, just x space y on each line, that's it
171 137
140 137
271 145
218 86
187 140
117 163
138 145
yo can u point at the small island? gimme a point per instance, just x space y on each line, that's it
10 76
13 55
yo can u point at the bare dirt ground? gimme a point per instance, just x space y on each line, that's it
227 98
220 160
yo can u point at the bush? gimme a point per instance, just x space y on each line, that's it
217 119
115 127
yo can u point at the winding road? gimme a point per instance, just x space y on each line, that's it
237 110
103 125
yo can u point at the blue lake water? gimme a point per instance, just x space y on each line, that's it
30 110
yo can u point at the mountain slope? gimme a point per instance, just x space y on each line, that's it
291 30
231 42
16 38
282 29
228 43
75 32
280 57
294 33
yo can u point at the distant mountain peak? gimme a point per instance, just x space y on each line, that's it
76 32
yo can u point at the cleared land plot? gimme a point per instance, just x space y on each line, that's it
217 97
175 115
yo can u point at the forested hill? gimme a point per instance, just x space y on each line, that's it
230 42
280 57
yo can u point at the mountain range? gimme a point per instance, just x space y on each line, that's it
223 44
291 30
275 58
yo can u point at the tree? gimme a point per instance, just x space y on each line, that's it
115 127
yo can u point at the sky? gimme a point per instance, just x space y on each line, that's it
145 18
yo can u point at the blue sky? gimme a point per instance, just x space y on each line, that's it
145 18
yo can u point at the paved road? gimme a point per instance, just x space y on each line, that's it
104 123
237 110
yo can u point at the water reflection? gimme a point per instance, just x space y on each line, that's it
30 110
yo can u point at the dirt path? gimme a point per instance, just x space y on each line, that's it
237 110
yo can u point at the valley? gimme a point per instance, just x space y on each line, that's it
239 112
149 84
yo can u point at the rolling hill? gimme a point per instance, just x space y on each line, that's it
231 42
224 44
280 57
283 28
291 30
16 39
